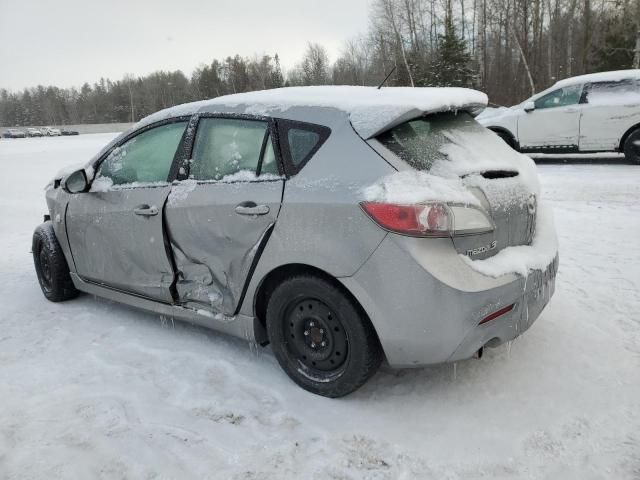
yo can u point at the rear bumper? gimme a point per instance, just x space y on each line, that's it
426 304
528 305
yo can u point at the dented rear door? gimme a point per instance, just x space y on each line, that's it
220 218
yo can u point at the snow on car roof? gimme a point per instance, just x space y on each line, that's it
613 76
370 110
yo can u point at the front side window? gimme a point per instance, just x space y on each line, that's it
145 158
229 146
560 98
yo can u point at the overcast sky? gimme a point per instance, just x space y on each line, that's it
68 42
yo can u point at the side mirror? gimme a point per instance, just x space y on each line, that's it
76 182
529 107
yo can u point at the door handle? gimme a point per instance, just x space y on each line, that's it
146 210
250 208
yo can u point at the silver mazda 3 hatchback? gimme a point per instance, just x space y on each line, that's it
341 225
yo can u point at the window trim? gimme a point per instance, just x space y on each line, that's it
284 126
192 131
176 157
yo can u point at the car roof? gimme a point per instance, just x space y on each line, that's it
369 109
612 76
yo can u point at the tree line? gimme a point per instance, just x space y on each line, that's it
509 49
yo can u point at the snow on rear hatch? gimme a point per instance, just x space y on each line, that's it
452 149
504 181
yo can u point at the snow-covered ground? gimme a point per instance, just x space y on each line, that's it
92 389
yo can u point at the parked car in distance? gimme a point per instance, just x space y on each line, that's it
13 133
51 132
599 112
310 218
66 132
33 132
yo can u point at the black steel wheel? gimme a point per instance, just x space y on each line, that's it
322 340
51 266
315 337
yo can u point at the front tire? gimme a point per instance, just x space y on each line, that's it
51 266
320 337
632 147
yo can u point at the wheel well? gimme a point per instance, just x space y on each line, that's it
626 135
505 132
278 275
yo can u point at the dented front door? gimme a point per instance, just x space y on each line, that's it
116 229
117 240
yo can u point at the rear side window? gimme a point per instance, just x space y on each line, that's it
226 146
145 158
611 92
299 142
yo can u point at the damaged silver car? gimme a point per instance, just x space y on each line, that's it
320 220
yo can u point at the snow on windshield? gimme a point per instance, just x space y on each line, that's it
491 112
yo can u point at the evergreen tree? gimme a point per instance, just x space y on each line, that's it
452 65
277 79
616 52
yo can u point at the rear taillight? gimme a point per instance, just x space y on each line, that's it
416 220
428 219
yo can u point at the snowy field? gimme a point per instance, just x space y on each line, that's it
91 389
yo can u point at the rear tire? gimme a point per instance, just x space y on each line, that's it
321 339
632 147
51 266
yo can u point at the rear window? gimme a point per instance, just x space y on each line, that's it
611 92
420 142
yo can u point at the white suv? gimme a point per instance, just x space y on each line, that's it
599 112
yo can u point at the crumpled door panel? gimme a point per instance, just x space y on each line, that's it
214 247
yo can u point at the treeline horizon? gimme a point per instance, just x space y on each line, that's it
509 49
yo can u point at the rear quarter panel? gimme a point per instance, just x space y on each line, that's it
321 223
602 126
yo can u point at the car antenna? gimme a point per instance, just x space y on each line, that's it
387 77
